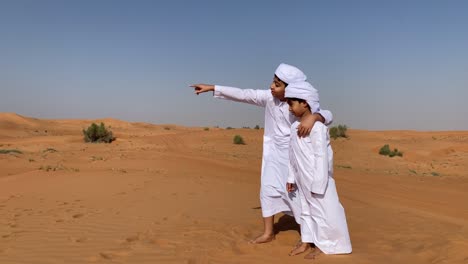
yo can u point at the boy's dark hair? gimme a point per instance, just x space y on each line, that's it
299 100
285 84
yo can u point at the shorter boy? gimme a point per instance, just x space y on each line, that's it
323 219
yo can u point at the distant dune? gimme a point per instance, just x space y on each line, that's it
173 194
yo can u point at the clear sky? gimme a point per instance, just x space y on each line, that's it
377 64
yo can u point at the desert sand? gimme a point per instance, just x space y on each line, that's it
173 194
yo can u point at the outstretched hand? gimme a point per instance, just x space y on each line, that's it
202 88
290 187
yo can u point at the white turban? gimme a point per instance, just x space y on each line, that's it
304 91
289 74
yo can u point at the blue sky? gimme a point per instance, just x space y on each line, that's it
377 64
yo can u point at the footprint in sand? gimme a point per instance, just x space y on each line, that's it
164 243
106 255
112 254
132 238
79 239
78 215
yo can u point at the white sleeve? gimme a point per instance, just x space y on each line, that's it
249 96
327 115
320 152
291 178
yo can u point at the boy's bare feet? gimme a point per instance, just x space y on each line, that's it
264 238
298 244
313 254
298 249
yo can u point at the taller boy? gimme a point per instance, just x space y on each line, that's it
273 197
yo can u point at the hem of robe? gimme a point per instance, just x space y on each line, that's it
334 250
272 212
309 238
273 205
340 247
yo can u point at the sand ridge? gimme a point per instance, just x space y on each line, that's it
173 194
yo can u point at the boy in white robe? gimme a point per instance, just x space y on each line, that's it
322 217
273 197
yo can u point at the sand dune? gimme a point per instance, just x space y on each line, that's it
172 194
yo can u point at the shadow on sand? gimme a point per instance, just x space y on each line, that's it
285 223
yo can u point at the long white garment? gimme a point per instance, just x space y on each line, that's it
273 196
322 217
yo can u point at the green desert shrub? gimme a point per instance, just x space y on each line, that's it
98 134
386 151
51 150
8 151
338 131
228 128
238 140
257 127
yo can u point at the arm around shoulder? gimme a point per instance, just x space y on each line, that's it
327 116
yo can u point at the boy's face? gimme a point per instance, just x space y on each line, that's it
277 88
297 108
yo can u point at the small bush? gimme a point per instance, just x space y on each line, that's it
257 127
47 168
206 128
8 151
385 150
338 131
344 166
94 158
51 150
229 128
98 134
238 140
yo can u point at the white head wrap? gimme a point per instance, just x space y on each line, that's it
304 91
289 74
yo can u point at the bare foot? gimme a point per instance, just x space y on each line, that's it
298 244
313 254
262 239
298 249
